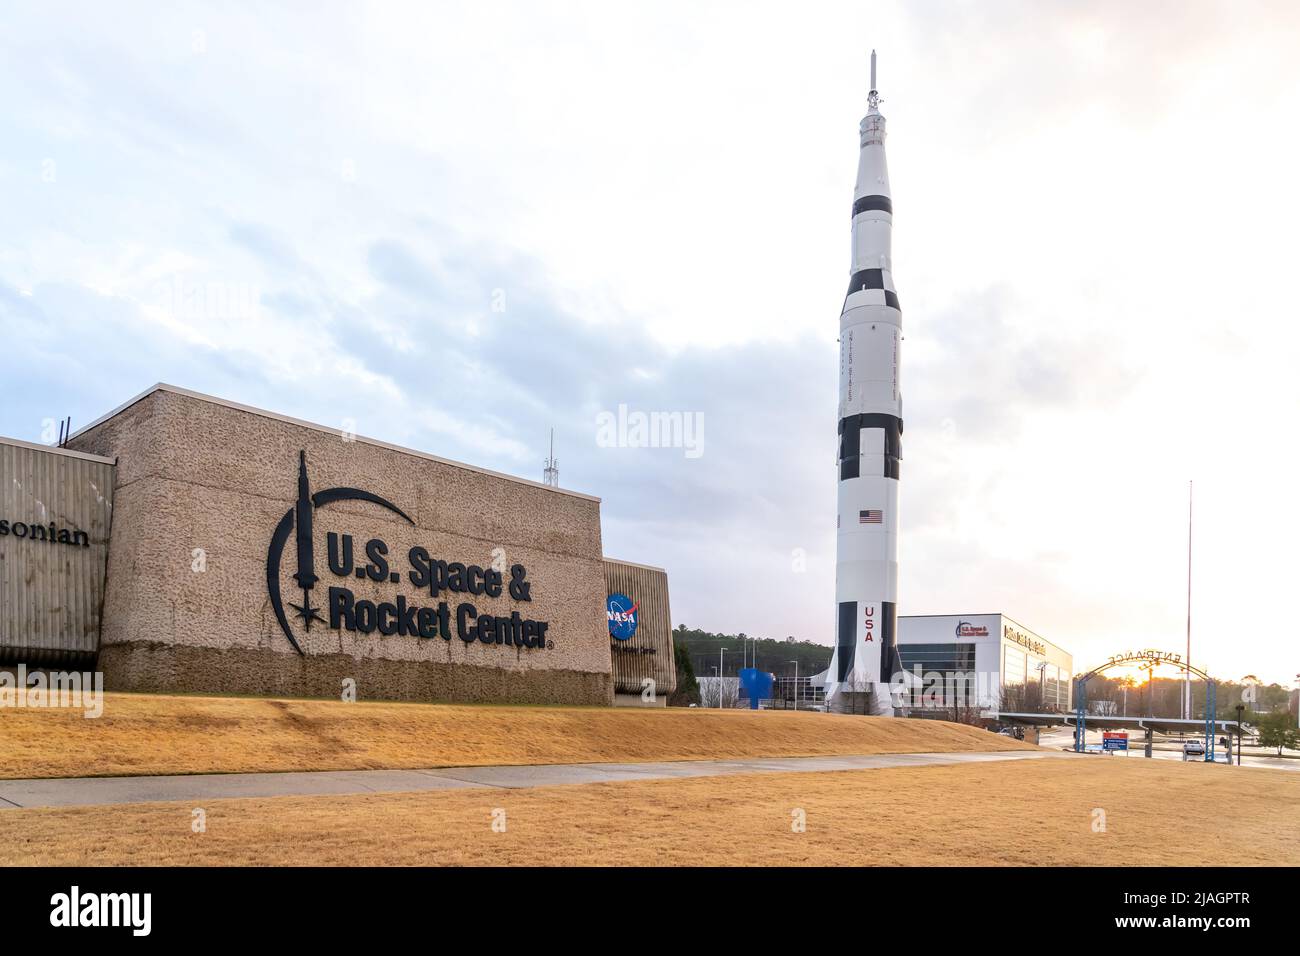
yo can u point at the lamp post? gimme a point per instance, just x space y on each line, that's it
1187 680
796 683
1240 708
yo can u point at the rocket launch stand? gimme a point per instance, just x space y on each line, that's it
874 701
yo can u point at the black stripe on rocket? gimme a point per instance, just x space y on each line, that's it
872 279
846 642
890 661
873 204
851 443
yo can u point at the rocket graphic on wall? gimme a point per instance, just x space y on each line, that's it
870 420
298 521
306 574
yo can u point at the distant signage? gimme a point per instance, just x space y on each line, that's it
1147 658
1114 740
621 611
965 629
1023 639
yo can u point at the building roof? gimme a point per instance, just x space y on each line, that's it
56 450
176 390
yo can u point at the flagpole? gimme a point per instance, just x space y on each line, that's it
1187 674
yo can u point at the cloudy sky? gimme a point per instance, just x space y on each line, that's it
462 224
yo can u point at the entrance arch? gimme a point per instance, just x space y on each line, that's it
1148 660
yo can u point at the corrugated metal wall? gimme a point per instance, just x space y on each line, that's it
51 594
649 652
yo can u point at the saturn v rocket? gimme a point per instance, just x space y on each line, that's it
865 657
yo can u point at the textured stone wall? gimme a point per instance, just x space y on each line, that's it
198 474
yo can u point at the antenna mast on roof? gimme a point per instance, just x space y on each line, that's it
551 475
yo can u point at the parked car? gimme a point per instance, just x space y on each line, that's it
1193 748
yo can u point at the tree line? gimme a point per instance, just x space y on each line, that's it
767 654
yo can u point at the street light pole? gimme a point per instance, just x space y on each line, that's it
1187 679
796 683
1240 708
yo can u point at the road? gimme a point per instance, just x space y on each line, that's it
1060 737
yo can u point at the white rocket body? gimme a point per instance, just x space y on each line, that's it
870 429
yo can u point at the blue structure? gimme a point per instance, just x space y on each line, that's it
756 685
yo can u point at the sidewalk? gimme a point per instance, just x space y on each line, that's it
83 791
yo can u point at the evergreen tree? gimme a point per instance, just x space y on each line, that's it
688 689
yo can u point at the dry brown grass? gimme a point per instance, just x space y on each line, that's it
155 734
1018 812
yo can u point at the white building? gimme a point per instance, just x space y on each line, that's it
730 687
1000 662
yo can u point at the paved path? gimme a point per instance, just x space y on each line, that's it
81 791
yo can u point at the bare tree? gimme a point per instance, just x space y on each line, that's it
730 691
1015 698
709 687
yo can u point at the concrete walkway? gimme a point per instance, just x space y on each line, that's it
83 791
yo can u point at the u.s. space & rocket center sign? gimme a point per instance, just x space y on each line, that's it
348 560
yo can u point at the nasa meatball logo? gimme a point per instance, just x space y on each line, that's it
621 611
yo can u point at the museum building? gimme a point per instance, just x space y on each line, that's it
184 543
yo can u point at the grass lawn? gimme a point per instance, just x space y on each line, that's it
158 734
1017 812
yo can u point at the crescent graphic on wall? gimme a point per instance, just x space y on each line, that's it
301 516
